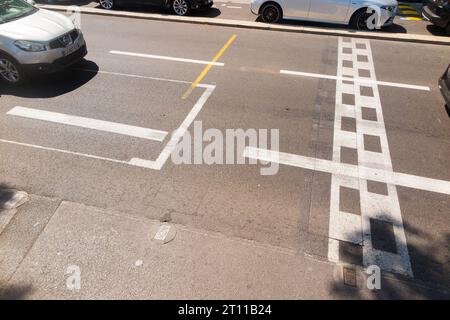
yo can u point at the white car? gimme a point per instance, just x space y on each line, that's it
35 40
360 14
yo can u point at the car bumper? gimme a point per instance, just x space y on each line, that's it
59 64
445 89
434 18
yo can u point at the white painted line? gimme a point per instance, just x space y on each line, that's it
162 232
34 146
148 164
177 135
153 56
88 123
356 80
132 75
349 170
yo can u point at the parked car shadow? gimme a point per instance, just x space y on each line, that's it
436 31
53 85
394 28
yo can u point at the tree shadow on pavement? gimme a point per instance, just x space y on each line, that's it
6 194
53 85
14 292
431 273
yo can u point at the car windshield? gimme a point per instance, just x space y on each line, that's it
14 9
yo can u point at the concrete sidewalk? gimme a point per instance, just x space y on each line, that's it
50 242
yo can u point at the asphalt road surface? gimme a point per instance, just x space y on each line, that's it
364 166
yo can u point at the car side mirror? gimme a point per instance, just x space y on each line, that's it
31 2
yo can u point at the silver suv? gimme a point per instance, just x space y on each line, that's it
35 40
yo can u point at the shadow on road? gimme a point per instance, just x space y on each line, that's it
53 85
395 28
14 292
6 194
436 31
431 273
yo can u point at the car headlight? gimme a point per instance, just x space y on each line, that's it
389 8
31 46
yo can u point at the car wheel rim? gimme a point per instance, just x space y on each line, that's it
180 7
271 13
107 4
9 71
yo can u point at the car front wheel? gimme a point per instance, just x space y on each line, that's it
359 20
10 71
271 13
107 4
181 7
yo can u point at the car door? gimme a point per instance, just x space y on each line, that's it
329 10
296 8
157 3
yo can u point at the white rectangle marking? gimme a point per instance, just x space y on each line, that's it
89 123
154 56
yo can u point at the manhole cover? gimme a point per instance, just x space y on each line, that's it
165 233
349 275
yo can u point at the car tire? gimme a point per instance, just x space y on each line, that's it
271 12
11 71
447 30
181 7
359 19
107 4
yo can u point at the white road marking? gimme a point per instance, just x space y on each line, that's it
88 123
349 170
148 164
355 80
153 56
131 75
85 155
162 232
178 134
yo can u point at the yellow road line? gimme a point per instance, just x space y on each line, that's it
408 12
412 19
208 67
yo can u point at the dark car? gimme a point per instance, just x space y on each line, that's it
444 85
438 12
179 7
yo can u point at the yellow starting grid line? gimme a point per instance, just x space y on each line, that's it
208 67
